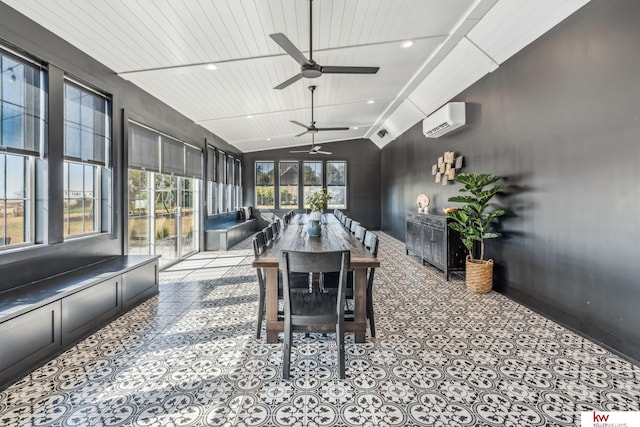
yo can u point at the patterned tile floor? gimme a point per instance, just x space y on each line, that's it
443 357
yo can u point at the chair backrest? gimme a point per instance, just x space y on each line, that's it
347 223
259 243
371 242
278 225
354 225
268 234
259 246
315 262
360 233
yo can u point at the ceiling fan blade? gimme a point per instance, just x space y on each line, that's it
289 82
323 129
324 152
299 124
303 133
348 70
315 147
299 151
289 47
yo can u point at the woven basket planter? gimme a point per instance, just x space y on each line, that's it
479 275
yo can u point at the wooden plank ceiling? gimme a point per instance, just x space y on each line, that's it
166 46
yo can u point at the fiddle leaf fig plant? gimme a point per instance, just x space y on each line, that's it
474 221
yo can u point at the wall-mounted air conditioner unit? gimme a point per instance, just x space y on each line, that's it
444 120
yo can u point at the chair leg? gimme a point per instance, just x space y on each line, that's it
286 360
372 323
340 345
260 316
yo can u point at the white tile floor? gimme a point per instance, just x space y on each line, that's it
443 356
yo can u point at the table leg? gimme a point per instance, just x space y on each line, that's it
359 301
272 305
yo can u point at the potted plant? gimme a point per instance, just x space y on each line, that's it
474 222
316 202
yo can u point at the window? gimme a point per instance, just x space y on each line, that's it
231 191
164 194
265 187
238 183
222 176
15 198
288 184
312 179
337 185
22 136
212 181
87 143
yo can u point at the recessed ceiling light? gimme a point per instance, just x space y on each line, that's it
268 139
356 128
371 101
212 67
249 117
407 44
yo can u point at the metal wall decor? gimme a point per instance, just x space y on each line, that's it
445 169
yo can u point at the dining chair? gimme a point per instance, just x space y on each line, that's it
347 223
319 312
353 226
360 233
298 282
268 234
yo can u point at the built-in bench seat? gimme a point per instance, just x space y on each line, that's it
41 319
222 231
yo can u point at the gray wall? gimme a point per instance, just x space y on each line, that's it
363 175
56 255
561 122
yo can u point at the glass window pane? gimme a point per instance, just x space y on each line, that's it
87 125
3 178
20 95
89 215
288 184
15 177
73 139
265 185
89 181
4 240
336 173
337 184
72 104
312 179
12 125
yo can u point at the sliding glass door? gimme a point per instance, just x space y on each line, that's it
168 226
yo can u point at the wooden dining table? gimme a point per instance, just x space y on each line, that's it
334 237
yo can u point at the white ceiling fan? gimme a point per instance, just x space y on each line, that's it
315 149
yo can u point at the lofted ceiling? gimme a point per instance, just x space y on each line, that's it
166 47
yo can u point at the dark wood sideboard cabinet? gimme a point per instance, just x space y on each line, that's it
429 237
